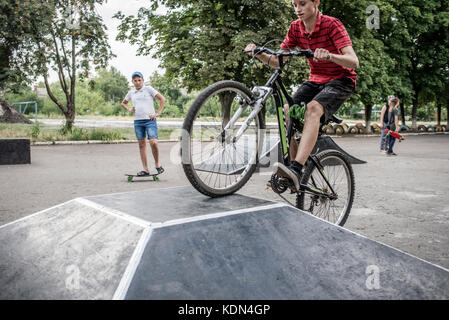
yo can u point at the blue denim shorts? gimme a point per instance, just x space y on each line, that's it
144 128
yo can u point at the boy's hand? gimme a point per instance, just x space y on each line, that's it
322 55
131 109
154 116
250 47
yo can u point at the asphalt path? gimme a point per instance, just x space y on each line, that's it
400 201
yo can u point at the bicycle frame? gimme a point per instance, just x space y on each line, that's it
276 87
286 134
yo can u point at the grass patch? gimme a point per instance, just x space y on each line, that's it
40 133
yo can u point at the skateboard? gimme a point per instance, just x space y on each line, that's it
132 176
394 135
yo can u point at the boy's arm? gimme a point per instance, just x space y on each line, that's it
125 106
162 101
348 59
396 122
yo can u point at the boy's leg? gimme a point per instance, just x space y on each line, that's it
155 150
383 145
143 154
329 99
309 136
391 144
139 129
153 139
304 94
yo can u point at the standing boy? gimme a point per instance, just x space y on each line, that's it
145 124
332 77
384 123
392 123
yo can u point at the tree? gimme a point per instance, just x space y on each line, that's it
375 76
170 89
66 36
15 24
111 83
200 42
413 38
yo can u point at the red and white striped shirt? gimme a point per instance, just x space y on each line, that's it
329 34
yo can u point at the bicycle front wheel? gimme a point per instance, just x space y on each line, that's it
339 174
215 160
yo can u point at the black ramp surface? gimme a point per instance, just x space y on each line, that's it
278 253
68 252
161 205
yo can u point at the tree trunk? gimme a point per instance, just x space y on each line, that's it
70 117
438 113
226 99
402 115
368 110
414 111
447 115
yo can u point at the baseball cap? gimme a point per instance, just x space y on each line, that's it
137 74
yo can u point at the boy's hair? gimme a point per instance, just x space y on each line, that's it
395 100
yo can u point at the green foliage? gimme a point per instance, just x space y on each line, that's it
88 101
200 42
178 101
35 130
105 135
66 36
111 83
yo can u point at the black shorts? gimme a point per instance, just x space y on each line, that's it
330 95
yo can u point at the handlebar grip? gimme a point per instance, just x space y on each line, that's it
309 53
256 50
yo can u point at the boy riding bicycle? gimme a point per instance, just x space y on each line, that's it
332 77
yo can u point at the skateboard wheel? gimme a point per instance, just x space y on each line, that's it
156 179
130 179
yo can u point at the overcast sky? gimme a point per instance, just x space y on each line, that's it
127 60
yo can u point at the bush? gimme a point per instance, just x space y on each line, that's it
105 135
78 134
35 130
111 109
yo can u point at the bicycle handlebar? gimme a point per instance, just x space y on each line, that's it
307 52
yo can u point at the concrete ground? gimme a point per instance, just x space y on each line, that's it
400 201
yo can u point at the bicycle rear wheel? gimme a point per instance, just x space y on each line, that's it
340 176
214 162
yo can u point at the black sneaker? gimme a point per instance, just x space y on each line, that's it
269 184
391 154
287 172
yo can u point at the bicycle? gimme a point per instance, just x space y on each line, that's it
220 152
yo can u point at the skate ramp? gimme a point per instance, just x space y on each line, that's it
178 244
